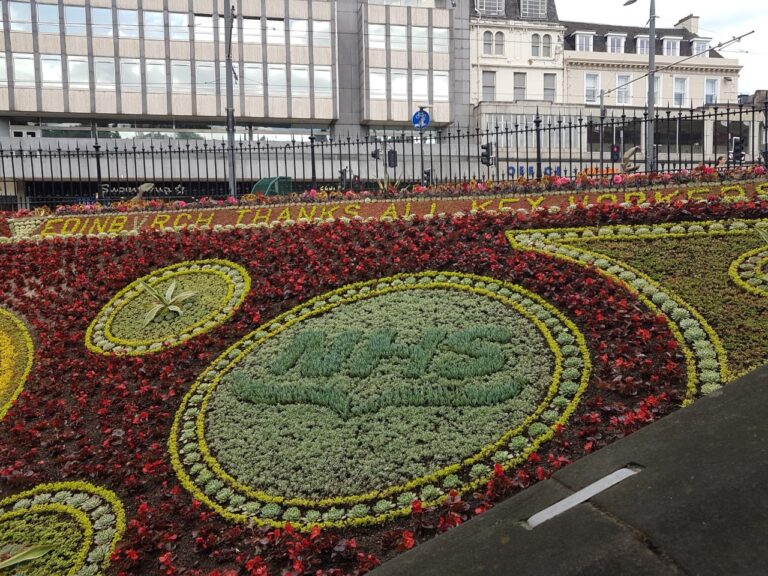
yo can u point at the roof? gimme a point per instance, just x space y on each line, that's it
512 12
601 30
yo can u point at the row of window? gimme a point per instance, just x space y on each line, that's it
529 9
616 44
623 91
519 87
398 85
493 44
153 75
130 24
398 38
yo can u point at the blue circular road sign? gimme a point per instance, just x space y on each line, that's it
421 119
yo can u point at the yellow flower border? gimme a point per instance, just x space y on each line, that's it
733 271
118 302
485 452
7 376
75 487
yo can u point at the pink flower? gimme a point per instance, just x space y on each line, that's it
617 180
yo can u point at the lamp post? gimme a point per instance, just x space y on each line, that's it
229 13
650 153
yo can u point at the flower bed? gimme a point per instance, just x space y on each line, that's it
315 398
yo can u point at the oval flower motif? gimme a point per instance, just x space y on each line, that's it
16 358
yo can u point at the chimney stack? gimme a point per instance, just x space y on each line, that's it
690 23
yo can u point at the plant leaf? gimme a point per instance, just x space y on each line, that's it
182 297
152 314
169 292
176 309
151 291
31 553
763 234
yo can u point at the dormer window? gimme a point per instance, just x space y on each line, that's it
615 43
533 9
490 7
700 47
671 46
584 41
643 44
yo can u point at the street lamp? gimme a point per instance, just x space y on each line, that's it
650 154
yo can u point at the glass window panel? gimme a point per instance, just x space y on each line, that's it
533 9
205 77
104 73
592 87
710 91
24 69
377 36
3 70
299 33
536 45
441 86
78 70
323 82
154 26
487 42
550 87
419 39
276 79
378 83
520 82
48 19
276 32
251 30
253 80
498 47
178 26
399 80
299 81
181 76
128 23
203 28
420 86
74 19
546 46
321 33
50 70
440 40
398 38
642 45
20 14
679 96
489 86
130 75
156 80
622 89
101 22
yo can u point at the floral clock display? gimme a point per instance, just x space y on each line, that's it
345 409
168 307
16 358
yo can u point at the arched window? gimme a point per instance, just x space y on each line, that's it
488 42
499 47
546 51
536 45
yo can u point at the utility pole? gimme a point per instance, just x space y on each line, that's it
650 161
229 16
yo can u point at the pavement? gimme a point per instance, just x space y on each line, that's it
697 506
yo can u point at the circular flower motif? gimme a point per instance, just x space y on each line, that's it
346 408
168 307
82 523
16 356
749 271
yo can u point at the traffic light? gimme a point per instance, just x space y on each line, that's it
376 154
392 158
615 153
427 177
738 149
486 154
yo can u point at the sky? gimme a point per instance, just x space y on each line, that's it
720 19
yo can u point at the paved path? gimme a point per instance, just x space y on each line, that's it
698 506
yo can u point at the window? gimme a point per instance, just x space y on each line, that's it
398 38
323 85
299 81
546 46
489 86
419 39
251 31
488 42
24 69
584 42
130 74
101 22
440 40
533 9
656 88
499 44
377 78
536 45
441 86
680 91
48 19
276 33
205 78
154 26
701 47
623 92
399 80
671 47
104 73
710 91
321 33
203 28
20 14
3 71
299 30
490 7
616 44
420 86
178 26
519 85
223 32
276 79
74 20
253 79
50 70
550 87
591 87
128 23
78 69
642 45
156 80
377 36
181 77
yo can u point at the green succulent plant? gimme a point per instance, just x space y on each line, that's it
26 554
165 303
